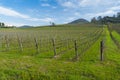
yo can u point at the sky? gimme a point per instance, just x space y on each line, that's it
42 12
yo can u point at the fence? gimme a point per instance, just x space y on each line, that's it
52 47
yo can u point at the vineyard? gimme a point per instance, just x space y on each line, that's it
50 42
63 52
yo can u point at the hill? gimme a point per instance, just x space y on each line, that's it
26 26
79 21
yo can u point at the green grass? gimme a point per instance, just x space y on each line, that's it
15 65
116 35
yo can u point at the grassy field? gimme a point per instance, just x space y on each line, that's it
20 59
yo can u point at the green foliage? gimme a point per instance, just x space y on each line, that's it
106 19
2 25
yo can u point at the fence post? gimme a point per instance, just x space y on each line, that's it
76 49
54 48
36 45
68 46
101 50
7 43
20 43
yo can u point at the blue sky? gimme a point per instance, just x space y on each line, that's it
41 12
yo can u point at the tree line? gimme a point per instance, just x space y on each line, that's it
2 25
106 19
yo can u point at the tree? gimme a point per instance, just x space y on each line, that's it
2 25
52 24
99 19
118 15
114 16
93 20
107 19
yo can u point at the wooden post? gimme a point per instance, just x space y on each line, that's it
54 48
101 50
68 43
7 43
76 49
36 45
20 44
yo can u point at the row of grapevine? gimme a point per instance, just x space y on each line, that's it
48 46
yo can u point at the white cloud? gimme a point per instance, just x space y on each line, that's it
78 3
93 8
45 5
48 5
70 18
77 14
84 3
115 8
13 13
109 12
10 12
43 20
65 10
54 7
13 24
100 3
69 4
